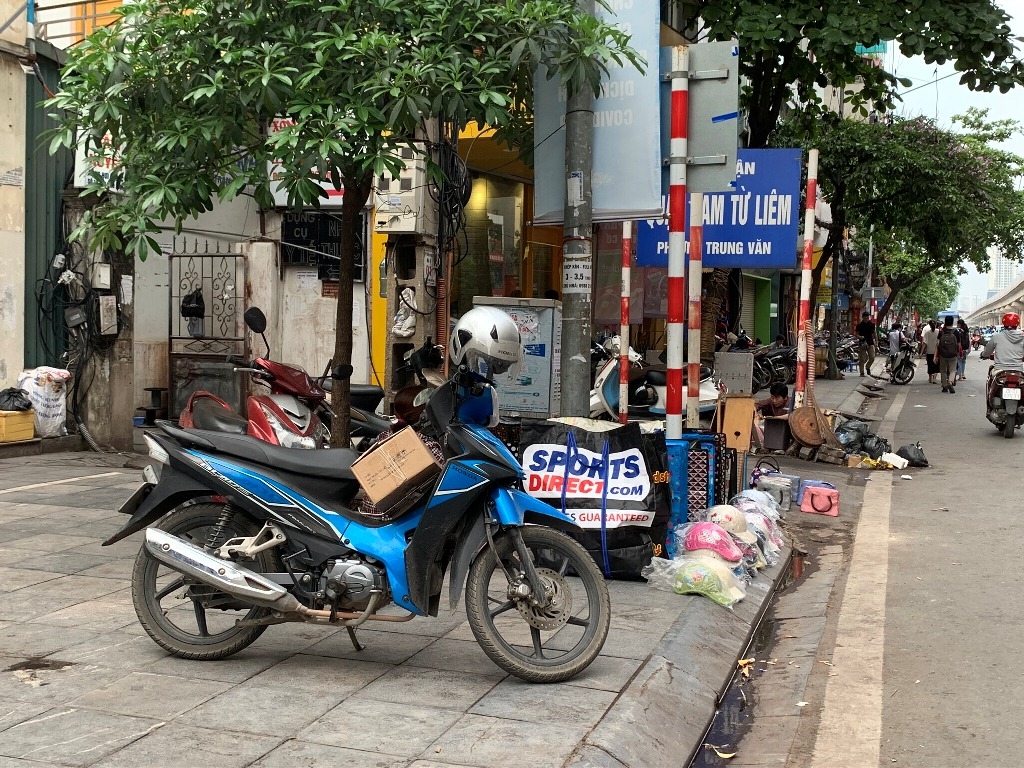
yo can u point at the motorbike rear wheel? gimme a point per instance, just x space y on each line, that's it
539 645
1009 426
191 620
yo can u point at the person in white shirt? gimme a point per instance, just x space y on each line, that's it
930 337
895 341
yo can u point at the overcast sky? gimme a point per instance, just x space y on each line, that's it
936 95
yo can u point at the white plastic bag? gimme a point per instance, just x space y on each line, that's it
47 389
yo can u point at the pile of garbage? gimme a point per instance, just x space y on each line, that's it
722 549
867 450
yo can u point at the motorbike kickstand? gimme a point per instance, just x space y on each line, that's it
352 636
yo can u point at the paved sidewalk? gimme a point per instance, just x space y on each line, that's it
81 684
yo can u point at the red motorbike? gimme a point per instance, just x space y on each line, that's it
288 416
1004 407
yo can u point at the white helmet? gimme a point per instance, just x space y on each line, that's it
486 341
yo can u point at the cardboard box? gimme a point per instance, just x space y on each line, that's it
391 470
17 425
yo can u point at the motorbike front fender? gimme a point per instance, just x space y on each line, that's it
511 507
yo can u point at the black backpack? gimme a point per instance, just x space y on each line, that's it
949 343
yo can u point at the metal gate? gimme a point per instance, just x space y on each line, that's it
199 346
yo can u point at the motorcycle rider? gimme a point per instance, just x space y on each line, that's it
1006 348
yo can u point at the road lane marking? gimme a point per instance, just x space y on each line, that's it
57 482
850 730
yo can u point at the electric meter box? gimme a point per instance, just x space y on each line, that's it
536 389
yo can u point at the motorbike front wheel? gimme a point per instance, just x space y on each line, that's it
192 620
903 373
539 645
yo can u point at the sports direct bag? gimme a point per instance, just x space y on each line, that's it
949 343
820 501
611 479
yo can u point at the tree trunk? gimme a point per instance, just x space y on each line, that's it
357 192
715 287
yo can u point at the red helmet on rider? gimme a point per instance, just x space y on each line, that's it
1011 320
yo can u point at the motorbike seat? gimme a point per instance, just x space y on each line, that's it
207 414
332 463
655 377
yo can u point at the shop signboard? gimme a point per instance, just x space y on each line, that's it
753 226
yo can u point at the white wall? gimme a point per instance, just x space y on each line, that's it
12 203
301 321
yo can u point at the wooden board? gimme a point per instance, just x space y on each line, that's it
803 424
737 422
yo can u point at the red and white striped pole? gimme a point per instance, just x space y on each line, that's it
676 243
805 279
694 318
627 264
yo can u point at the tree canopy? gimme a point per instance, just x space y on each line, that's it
937 199
788 49
202 97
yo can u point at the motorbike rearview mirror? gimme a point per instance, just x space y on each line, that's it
256 322
341 372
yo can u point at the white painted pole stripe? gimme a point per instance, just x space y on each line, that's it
674 331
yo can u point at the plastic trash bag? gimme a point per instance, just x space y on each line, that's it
913 454
47 389
14 399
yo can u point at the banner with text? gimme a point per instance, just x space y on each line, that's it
754 226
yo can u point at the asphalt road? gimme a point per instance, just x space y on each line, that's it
916 662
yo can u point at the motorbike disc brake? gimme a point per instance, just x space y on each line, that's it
557 612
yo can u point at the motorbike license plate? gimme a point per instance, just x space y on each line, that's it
131 506
1011 394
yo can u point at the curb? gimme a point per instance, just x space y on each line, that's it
665 711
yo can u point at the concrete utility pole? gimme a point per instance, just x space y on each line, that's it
577 250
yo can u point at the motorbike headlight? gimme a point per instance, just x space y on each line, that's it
285 437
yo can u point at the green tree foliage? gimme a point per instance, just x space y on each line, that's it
937 199
790 49
188 90
932 293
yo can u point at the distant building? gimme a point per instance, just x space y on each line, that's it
1002 274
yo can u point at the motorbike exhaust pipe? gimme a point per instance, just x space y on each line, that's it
225 575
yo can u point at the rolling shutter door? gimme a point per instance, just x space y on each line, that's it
749 299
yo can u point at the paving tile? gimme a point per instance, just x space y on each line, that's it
293 638
607 673
487 741
417 764
119 568
55 686
147 695
319 674
558 704
293 754
182 746
268 710
630 644
119 650
73 736
64 562
40 639
12 579
456 655
11 555
385 647
234 669
452 690
13 712
99 616
23 606
357 724
73 588
53 542
13 762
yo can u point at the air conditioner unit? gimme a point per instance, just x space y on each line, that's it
403 205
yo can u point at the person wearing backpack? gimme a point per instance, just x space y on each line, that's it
946 352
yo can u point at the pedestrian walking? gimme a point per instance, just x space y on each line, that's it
946 353
965 347
866 352
930 338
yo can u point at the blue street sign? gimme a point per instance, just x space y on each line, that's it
753 226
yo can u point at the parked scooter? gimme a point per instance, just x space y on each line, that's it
284 544
647 388
288 416
1003 406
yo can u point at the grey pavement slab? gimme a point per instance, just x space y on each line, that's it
441 687
306 754
355 724
12 579
384 647
262 709
234 669
40 639
52 687
456 655
118 650
558 704
180 746
73 736
13 712
162 697
491 742
321 675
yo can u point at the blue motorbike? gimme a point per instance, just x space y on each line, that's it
243 534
